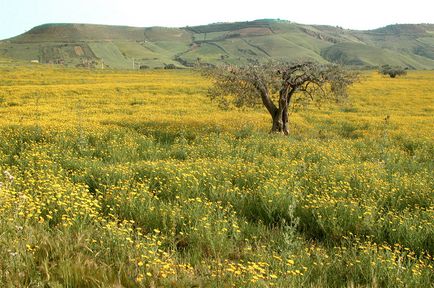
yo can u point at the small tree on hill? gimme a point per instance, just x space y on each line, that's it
169 66
392 71
276 85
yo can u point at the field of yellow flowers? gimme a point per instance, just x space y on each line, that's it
136 179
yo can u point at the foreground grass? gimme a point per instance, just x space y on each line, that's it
136 179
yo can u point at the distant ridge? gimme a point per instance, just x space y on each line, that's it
124 47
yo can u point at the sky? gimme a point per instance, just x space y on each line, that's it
18 16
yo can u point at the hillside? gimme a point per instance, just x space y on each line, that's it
123 47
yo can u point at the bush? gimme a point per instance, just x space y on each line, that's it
169 66
392 71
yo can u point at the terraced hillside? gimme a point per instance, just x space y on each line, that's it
123 47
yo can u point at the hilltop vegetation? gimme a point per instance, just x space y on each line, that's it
409 46
128 179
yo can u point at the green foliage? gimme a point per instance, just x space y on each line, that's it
170 66
392 71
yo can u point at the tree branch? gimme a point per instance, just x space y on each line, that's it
265 97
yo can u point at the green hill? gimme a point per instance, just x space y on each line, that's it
122 47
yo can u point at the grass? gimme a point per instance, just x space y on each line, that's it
111 54
127 179
361 54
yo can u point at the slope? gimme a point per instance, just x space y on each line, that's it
123 47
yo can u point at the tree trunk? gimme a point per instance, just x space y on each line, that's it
285 121
280 116
277 123
280 121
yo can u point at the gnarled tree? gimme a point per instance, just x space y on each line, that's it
276 84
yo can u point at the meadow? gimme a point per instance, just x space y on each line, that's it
137 179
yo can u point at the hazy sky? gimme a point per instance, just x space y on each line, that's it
18 16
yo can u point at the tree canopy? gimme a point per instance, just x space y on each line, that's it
392 71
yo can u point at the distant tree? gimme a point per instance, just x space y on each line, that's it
392 71
169 66
276 85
